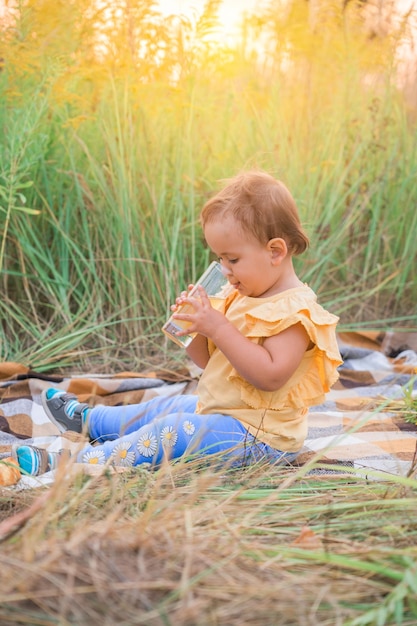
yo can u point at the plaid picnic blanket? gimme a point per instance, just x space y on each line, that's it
359 425
364 422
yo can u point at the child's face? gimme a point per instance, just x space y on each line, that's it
247 263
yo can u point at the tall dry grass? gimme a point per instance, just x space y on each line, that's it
197 546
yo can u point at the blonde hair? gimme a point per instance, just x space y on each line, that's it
262 205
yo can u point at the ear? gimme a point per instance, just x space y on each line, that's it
278 250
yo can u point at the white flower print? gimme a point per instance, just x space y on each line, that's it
169 436
147 444
188 427
94 457
121 455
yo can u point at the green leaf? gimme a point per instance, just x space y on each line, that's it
28 183
25 209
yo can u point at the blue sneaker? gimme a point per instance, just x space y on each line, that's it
35 461
64 410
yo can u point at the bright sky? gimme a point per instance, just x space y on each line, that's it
230 12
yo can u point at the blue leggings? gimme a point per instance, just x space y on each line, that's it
169 428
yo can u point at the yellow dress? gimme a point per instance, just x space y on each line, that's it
278 418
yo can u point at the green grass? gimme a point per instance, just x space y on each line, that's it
118 233
104 169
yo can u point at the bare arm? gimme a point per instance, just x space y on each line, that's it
197 350
267 367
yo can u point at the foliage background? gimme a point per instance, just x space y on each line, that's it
116 122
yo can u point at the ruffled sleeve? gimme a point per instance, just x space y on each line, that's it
318 370
272 318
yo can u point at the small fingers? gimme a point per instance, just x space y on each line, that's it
202 295
179 300
193 296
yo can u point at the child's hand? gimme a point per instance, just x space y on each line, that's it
204 319
179 301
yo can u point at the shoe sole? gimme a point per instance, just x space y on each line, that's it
61 427
37 458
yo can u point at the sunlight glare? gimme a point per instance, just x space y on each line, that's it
231 13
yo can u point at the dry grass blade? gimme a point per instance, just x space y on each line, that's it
15 522
177 547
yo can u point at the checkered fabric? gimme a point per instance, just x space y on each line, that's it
363 423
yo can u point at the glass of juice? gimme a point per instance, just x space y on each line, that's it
217 288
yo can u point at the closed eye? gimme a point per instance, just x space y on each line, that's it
222 260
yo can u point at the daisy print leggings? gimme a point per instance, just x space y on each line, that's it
169 428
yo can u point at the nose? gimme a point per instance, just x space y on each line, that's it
225 271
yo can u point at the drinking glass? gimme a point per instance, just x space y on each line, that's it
217 288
